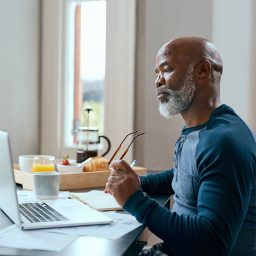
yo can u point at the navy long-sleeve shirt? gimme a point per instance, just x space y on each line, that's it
214 186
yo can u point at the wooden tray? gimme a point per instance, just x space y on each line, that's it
72 181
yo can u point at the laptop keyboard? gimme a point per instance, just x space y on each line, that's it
40 212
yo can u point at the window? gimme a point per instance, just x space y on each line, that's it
87 51
58 76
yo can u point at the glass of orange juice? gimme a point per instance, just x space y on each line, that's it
43 163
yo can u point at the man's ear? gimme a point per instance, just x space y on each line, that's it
204 69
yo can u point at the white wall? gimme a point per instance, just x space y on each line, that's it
52 86
232 35
229 24
19 76
159 22
252 105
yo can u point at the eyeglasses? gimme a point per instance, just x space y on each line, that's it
125 152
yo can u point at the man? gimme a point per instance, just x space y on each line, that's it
214 175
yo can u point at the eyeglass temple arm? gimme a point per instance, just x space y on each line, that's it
120 146
125 152
114 154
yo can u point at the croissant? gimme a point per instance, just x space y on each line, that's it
94 164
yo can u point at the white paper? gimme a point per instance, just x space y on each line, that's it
98 200
122 224
13 237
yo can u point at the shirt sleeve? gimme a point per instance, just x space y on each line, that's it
226 180
157 183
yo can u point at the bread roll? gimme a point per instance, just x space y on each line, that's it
94 164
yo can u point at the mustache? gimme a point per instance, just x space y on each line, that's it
164 90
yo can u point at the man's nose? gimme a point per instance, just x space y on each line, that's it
159 80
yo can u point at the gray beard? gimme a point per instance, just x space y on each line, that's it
177 101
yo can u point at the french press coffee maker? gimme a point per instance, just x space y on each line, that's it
88 143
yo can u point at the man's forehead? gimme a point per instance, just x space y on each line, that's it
165 50
176 52
172 50
167 55
162 55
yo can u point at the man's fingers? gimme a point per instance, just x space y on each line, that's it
109 187
112 178
120 165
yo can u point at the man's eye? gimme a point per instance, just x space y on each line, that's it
166 69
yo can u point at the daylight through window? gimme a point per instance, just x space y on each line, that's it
88 27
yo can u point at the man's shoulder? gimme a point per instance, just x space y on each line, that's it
226 136
217 136
226 127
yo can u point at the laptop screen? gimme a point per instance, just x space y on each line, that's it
8 194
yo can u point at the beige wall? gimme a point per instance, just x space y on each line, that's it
252 105
158 22
19 76
229 24
233 36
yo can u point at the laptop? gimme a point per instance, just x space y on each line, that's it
39 214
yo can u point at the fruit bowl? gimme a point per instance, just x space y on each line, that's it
71 168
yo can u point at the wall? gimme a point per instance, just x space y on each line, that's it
19 76
252 105
158 22
51 83
235 39
234 35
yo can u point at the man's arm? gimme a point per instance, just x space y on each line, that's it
226 180
158 183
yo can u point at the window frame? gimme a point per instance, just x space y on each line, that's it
119 74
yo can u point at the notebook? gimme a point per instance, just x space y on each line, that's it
48 213
98 200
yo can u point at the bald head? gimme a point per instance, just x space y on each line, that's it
194 50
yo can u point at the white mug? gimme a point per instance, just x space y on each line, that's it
26 163
46 185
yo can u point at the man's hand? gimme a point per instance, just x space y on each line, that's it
122 182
